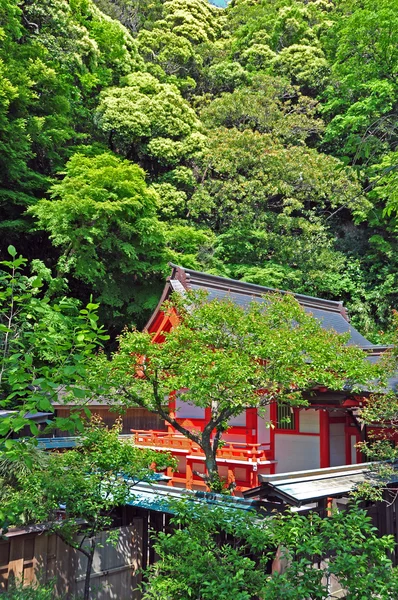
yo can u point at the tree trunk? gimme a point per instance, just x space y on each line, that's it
90 558
213 478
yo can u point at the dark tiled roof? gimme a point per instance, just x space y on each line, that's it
329 319
332 314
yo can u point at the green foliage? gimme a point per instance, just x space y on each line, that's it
173 53
363 91
239 566
54 57
382 409
246 173
306 65
90 480
189 245
222 109
269 105
196 20
176 43
44 348
103 217
148 118
133 14
226 76
37 592
237 352
85 484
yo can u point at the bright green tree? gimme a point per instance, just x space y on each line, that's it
215 555
361 99
55 56
103 217
269 105
147 118
247 174
226 358
45 346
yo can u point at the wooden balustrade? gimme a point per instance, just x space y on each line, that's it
177 442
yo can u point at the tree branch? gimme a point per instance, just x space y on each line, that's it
70 544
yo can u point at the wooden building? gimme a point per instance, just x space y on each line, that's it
132 418
323 435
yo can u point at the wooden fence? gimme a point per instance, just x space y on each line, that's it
32 555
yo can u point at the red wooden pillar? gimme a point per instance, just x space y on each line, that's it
188 475
324 438
251 426
347 431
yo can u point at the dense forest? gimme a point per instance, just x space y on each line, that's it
257 142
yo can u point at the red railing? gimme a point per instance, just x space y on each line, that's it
182 445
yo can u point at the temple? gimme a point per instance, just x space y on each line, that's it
323 435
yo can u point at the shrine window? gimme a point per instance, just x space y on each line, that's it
286 417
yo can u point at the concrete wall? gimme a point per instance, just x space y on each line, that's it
263 432
337 444
296 452
309 421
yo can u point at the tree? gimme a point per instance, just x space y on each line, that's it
306 65
132 14
214 555
90 481
103 217
45 346
147 118
269 105
380 415
361 99
223 357
54 57
245 174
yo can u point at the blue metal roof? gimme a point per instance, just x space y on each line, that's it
57 442
160 497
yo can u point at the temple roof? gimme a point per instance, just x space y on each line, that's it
332 314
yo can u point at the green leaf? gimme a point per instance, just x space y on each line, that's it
79 393
34 428
36 283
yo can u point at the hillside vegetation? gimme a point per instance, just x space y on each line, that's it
257 142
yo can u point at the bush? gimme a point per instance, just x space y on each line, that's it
36 592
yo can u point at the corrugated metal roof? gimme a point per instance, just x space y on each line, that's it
308 486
